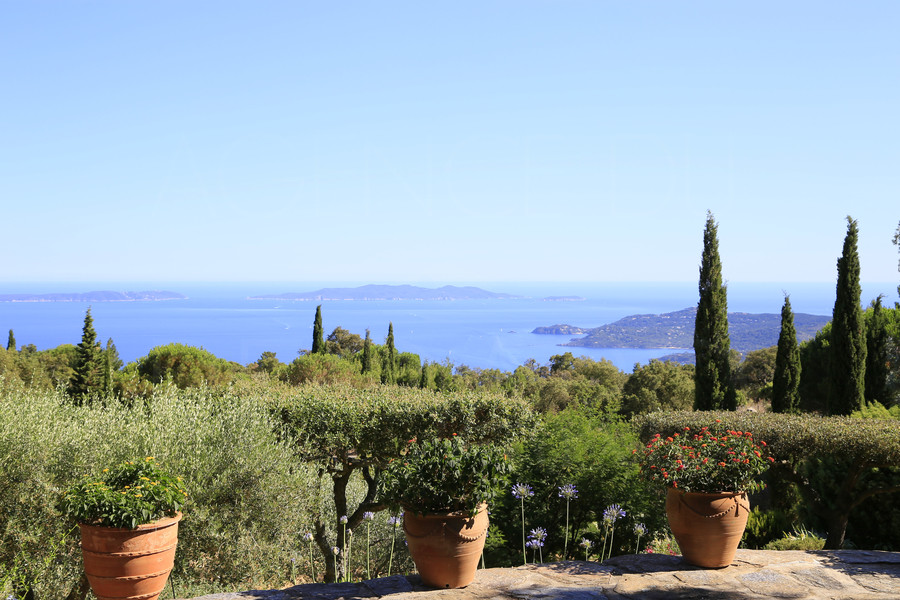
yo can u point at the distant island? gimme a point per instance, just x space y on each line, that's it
676 330
98 296
391 292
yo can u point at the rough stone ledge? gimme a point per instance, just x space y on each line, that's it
754 575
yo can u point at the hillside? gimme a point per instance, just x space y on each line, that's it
391 292
676 330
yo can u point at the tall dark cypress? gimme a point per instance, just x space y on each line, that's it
713 387
11 342
318 342
367 353
848 332
389 358
786 381
88 377
877 371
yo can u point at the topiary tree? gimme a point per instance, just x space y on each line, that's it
713 387
11 342
829 459
355 433
786 381
389 358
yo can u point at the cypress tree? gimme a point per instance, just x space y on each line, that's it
848 332
87 378
713 387
389 358
318 343
367 353
11 342
877 371
786 381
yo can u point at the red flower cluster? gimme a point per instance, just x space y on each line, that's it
706 461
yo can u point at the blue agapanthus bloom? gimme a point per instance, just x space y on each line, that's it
568 491
368 516
307 537
522 490
612 513
538 533
395 521
344 519
640 528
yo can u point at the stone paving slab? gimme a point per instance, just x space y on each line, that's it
754 575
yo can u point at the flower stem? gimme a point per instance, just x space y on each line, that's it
524 555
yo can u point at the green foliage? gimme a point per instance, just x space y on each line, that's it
848 333
323 369
815 378
799 539
658 385
11 342
712 348
786 379
249 497
409 369
592 453
134 493
367 353
709 459
389 358
343 343
764 526
87 379
185 366
318 341
444 475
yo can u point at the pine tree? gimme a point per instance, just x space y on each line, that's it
111 364
318 343
389 358
786 381
848 332
877 371
367 353
87 378
11 342
713 389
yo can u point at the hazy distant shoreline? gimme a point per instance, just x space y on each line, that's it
97 296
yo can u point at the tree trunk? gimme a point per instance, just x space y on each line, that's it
837 529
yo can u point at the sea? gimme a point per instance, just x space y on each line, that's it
221 318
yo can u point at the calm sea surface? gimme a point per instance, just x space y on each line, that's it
478 333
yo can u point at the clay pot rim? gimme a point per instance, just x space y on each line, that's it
158 524
723 493
482 506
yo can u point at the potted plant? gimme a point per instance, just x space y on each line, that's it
128 518
708 475
443 487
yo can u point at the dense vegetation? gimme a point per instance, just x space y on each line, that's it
274 454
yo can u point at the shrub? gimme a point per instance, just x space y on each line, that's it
800 539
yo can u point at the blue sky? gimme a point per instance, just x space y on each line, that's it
456 141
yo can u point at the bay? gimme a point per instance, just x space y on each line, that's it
221 318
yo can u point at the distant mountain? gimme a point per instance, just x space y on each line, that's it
99 296
391 292
676 330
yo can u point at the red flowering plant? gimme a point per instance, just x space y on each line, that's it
706 460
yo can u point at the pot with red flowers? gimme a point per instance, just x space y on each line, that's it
708 474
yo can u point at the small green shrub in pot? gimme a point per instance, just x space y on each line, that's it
444 475
131 494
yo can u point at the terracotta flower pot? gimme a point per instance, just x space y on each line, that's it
708 527
129 563
446 547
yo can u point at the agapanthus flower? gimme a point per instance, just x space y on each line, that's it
307 537
586 543
395 521
538 533
640 529
335 550
344 519
568 491
612 513
522 490
368 516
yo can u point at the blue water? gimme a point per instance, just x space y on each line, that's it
486 334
